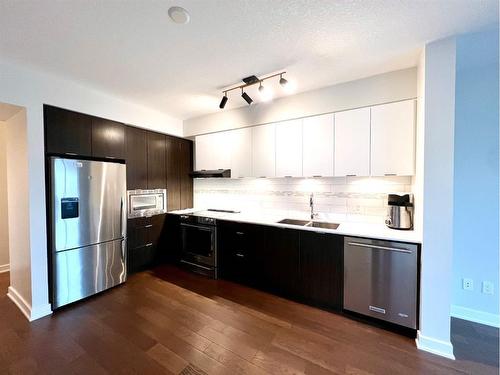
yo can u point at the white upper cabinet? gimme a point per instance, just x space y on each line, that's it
376 141
289 149
393 139
317 146
264 151
352 143
213 151
241 152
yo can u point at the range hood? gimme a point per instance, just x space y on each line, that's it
217 173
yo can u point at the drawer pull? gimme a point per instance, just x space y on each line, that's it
148 226
149 244
240 233
397 249
239 255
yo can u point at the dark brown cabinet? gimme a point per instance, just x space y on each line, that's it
237 245
67 132
299 264
144 246
137 158
263 256
277 261
156 161
321 270
179 161
186 167
108 139
173 157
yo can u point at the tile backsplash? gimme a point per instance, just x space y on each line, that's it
343 198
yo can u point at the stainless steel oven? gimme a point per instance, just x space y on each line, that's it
199 244
146 202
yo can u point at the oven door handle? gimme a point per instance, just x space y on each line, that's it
201 227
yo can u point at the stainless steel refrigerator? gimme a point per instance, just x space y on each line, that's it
89 231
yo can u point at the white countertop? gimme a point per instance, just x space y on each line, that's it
357 229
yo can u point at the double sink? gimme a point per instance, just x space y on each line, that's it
310 223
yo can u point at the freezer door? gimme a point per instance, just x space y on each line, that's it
79 273
88 202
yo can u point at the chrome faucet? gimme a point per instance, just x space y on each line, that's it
311 204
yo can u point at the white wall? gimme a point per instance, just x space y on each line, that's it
383 88
418 179
476 232
31 89
436 271
4 217
20 289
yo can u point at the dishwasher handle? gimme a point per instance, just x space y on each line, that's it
378 247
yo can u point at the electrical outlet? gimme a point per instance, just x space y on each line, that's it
487 287
468 284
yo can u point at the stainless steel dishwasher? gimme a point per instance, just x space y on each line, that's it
380 279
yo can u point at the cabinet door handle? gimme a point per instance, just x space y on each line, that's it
390 174
148 226
350 175
239 255
70 153
240 233
149 244
109 157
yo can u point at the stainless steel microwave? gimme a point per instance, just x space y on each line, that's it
146 202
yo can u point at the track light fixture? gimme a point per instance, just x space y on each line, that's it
223 101
264 92
247 97
283 81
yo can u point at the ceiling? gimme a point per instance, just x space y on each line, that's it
131 49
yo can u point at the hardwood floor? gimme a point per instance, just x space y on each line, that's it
167 321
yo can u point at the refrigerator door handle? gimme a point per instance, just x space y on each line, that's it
121 217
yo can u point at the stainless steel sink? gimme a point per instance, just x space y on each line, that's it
309 223
322 224
301 223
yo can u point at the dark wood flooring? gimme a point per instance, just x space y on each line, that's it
167 321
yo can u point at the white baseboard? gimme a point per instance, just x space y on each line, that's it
435 346
40 311
4 268
20 302
29 312
476 316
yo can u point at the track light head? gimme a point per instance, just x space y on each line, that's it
283 81
265 93
223 101
247 97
